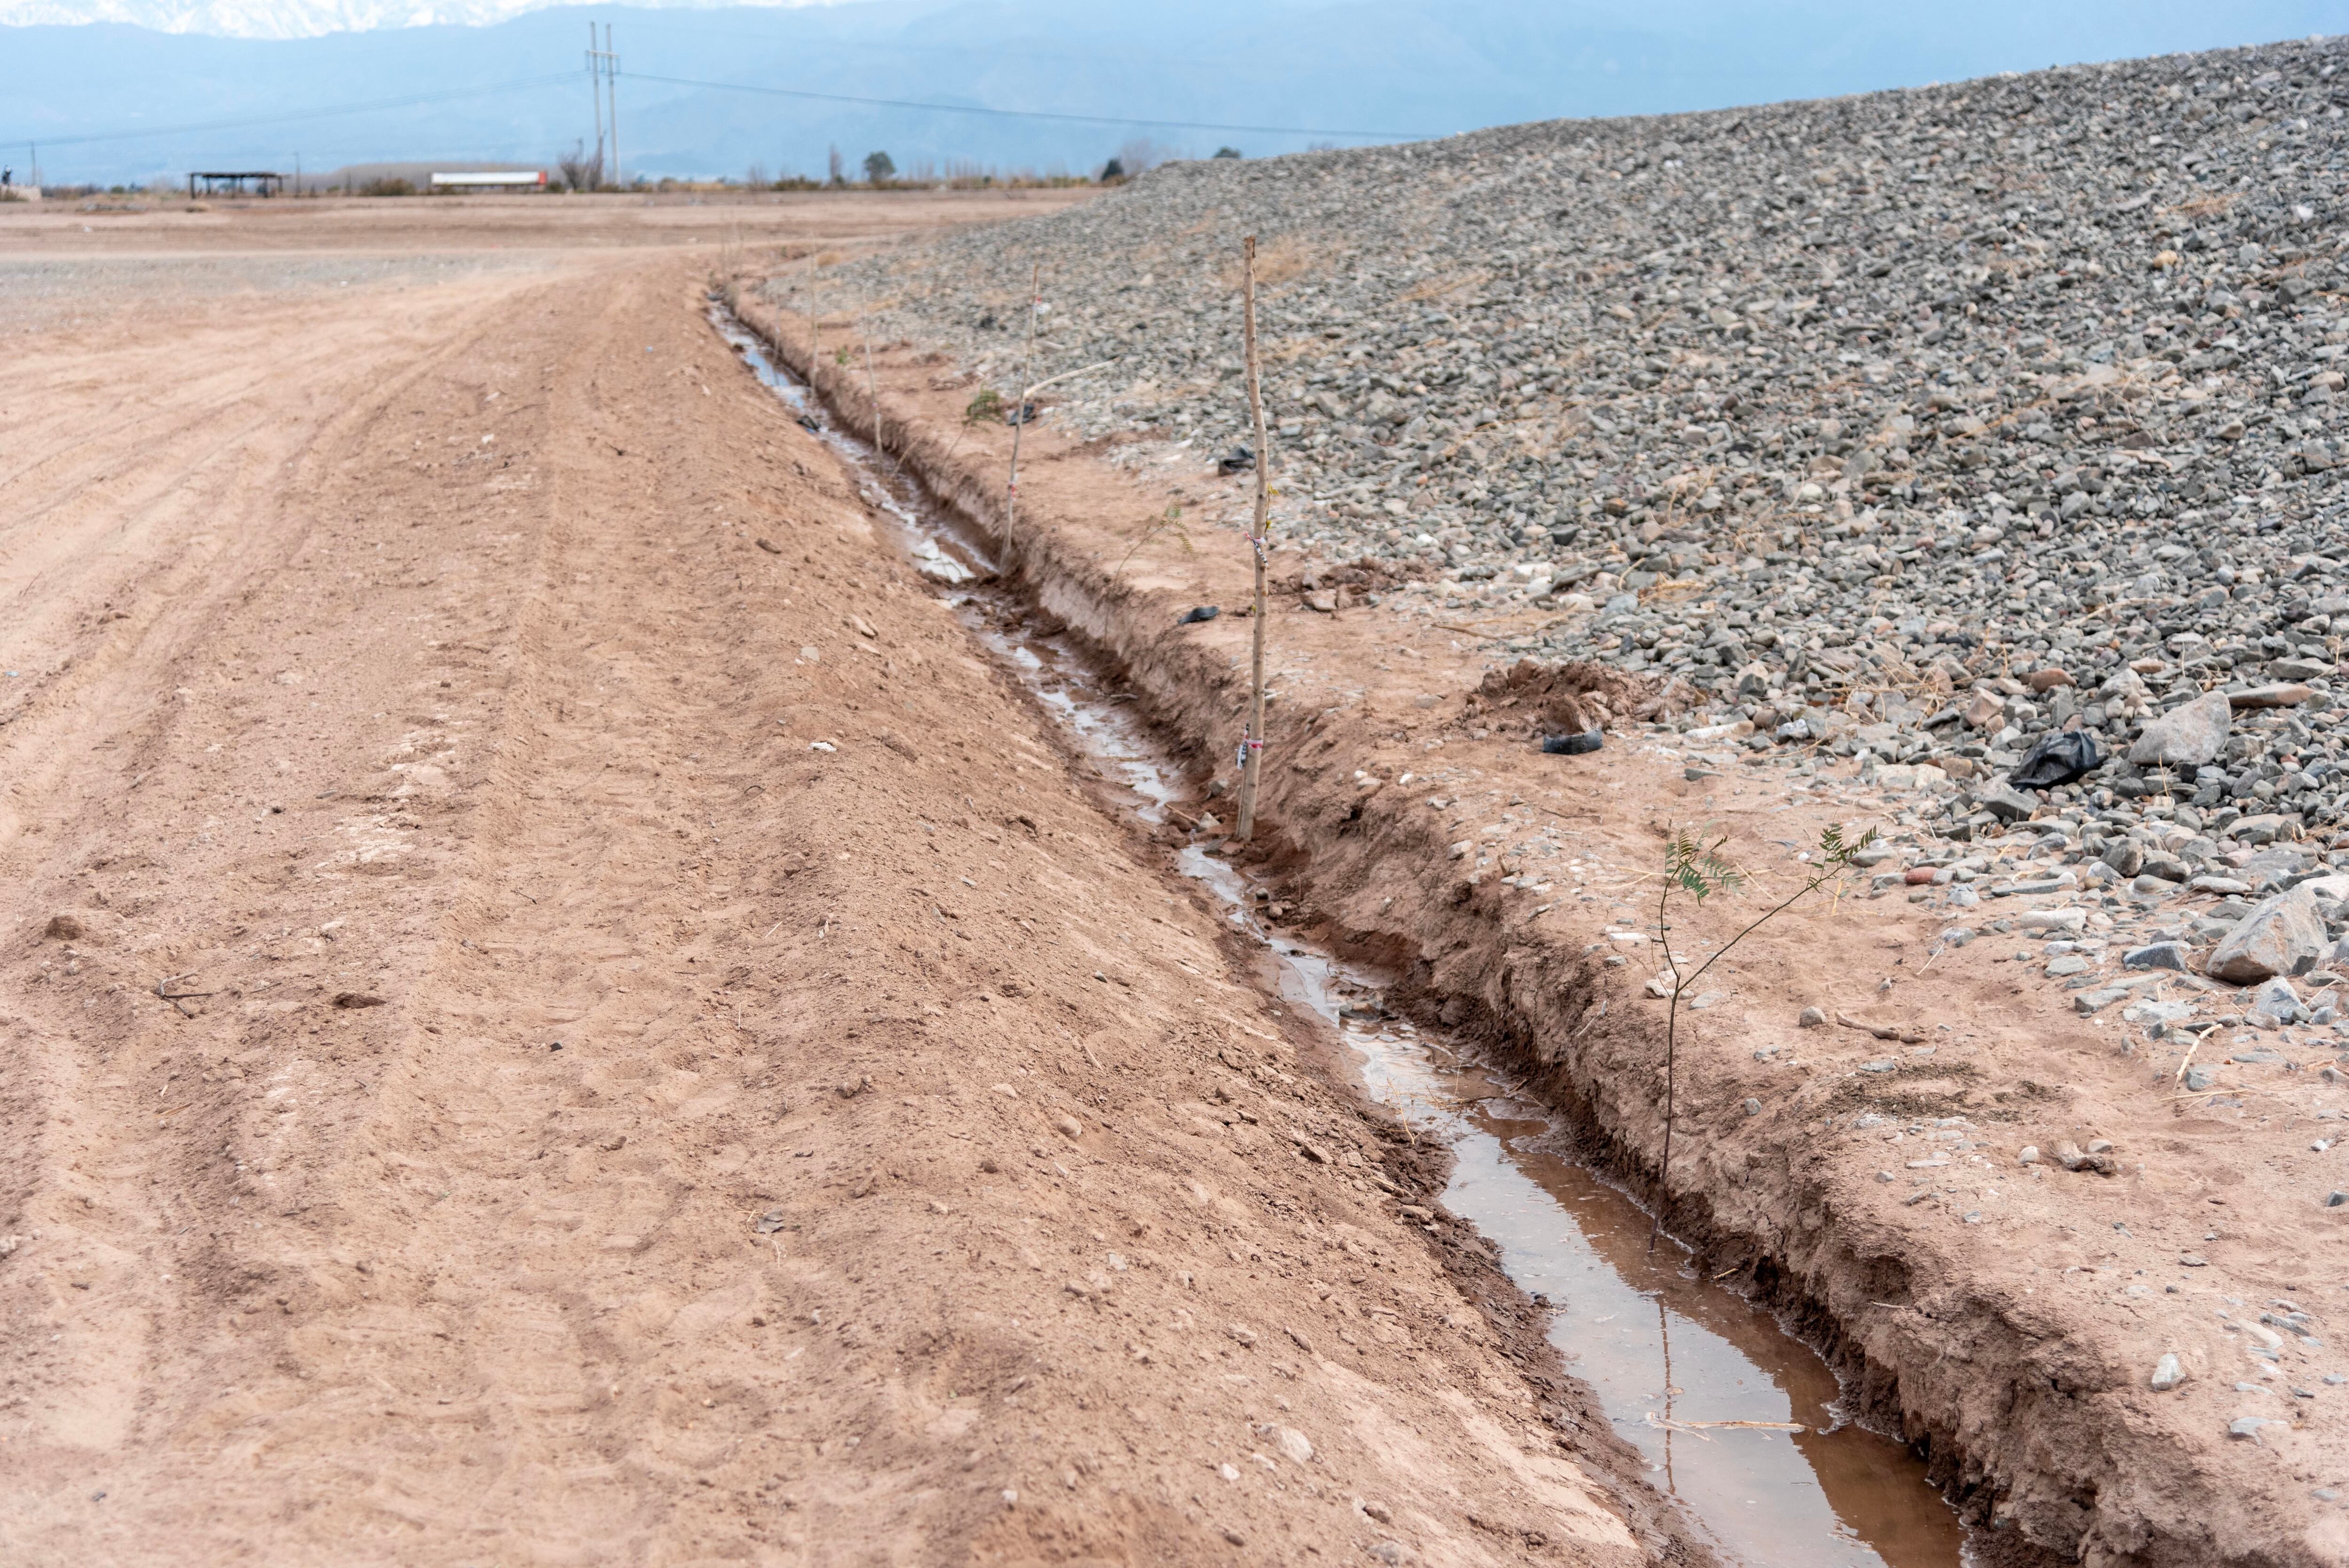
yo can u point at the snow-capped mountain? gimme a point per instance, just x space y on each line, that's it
300 18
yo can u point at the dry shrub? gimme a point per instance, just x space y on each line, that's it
1286 257
1436 288
1282 258
2204 206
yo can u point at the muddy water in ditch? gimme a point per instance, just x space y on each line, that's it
1679 1365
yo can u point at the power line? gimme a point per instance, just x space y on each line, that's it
665 24
1033 114
568 78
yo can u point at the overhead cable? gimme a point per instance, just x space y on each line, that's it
1030 113
567 79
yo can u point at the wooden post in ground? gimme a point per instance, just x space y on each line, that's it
815 321
1252 748
1019 402
872 386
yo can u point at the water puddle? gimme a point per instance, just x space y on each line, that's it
1700 1382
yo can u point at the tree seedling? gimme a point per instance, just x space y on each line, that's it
1170 521
1696 869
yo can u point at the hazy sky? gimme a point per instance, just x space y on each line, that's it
112 101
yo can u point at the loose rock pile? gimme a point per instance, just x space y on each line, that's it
1911 427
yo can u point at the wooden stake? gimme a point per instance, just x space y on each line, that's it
815 321
1252 748
1019 404
871 386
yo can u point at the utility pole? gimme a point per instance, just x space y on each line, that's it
595 91
611 81
603 76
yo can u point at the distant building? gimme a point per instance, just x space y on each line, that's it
214 182
490 180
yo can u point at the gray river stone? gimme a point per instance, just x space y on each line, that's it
2189 735
2280 935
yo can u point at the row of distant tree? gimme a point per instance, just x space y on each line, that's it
880 171
582 169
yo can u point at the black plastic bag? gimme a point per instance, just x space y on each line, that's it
1204 613
2058 758
1238 461
1571 744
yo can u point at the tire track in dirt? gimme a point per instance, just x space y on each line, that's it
156 567
107 832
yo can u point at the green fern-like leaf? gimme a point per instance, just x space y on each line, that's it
1695 867
1836 851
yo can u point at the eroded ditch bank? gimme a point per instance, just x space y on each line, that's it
1746 1430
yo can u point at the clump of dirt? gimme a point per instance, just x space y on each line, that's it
1570 698
1372 574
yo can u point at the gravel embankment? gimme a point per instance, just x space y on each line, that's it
1910 427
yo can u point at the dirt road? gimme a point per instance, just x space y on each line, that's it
557 1010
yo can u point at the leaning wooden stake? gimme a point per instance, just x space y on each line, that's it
1019 407
815 321
1252 748
872 386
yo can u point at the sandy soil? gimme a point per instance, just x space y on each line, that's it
2008 1319
556 1010
165 263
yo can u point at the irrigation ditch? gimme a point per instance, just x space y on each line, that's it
1935 1429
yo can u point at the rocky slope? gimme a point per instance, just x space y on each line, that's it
1990 1212
1915 425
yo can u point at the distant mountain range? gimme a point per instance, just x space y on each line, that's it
292 18
135 88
